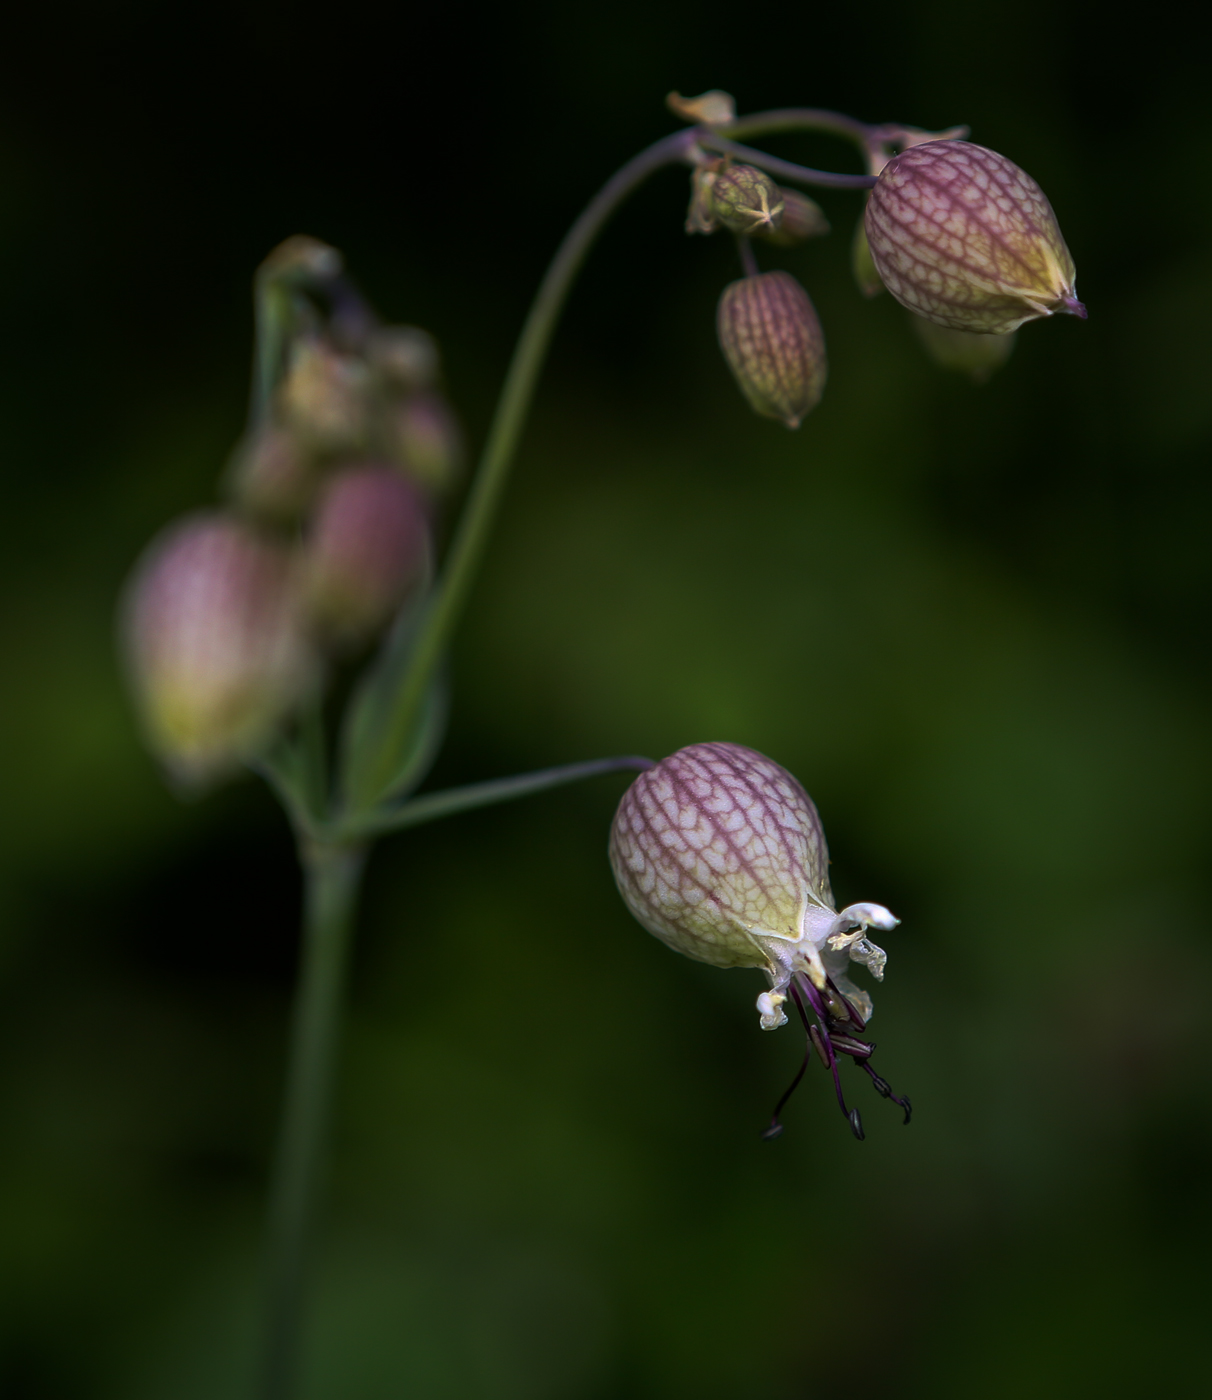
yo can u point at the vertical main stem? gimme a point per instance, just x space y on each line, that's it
332 876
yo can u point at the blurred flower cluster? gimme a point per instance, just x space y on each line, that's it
235 615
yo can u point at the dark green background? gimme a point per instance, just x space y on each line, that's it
970 620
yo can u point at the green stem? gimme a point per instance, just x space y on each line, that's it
804 119
332 874
463 799
467 547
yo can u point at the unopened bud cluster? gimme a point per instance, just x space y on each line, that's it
232 614
768 328
958 234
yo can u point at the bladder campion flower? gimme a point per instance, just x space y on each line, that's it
719 852
965 238
215 645
772 340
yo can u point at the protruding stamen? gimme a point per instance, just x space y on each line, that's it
818 1045
776 1128
883 1087
825 1040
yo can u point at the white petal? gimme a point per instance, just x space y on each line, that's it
770 1008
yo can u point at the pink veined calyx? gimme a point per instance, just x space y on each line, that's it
719 852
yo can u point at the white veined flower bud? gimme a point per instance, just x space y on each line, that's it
719 852
963 237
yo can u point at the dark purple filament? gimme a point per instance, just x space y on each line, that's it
837 1020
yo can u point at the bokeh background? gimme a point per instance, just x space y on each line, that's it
972 620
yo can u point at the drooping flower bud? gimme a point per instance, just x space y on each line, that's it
862 265
745 200
967 352
271 476
426 441
719 852
803 218
324 398
962 236
368 547
215 644
405 356
774 346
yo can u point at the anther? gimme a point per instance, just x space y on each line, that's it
818 1045
883 1087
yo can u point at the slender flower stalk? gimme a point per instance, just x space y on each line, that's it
467 547
332 876
787 169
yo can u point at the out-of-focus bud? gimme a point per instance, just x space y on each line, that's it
803 218
426 441
215 644
862 265
405 356
368 547
773 343
300 258
700 217
714 108
963 237
323 398
972 353
271 476
745 200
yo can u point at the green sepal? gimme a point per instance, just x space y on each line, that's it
374 766
862 264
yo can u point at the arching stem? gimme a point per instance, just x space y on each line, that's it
466 550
